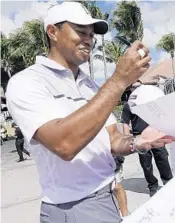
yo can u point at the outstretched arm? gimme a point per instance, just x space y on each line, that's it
150 138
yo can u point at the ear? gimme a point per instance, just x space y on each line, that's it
52 32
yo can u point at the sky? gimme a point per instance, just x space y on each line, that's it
158 19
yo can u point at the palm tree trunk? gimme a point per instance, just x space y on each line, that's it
9 73
91 66
104 58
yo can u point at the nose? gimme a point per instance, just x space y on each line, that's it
88 41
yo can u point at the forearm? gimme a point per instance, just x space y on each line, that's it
71 134
75 131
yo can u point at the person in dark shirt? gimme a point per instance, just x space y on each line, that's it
19 143
160 155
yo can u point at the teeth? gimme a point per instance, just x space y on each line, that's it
86 51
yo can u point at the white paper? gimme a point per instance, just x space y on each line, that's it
159 114
159 209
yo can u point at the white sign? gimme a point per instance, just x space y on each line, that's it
159 209
159 114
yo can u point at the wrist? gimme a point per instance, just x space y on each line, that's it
135 149
120 85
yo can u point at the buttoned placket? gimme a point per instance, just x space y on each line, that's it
75 83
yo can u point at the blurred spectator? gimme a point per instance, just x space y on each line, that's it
19 143
119 191
138 125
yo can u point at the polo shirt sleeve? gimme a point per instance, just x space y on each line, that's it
32 105
126 114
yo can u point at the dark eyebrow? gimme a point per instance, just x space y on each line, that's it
82 27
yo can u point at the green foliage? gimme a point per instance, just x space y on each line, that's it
127 20
30 41
167 43
112 51
10 61
22 46
93 8
118 112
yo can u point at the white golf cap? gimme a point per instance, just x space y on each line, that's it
144 94
76 13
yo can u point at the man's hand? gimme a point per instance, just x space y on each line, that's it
152 138
131 66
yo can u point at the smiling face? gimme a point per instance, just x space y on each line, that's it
72 43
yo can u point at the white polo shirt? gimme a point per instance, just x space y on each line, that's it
47 91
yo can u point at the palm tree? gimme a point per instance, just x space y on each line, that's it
105 17
20 49
167 43
5 56
10 63
113 51
95 13
29 41
127 20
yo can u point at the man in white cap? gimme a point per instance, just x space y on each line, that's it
68 125
141 95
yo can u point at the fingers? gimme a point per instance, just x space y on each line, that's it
144 64
138 45
146 50
144 61
161 142
165 140
147 66
144 69
169 137
157 145
134 50
149 144
131 66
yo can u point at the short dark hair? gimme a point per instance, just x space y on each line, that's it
59 26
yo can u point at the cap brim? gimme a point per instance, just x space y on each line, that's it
100 26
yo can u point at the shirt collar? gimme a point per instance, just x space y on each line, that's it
45 61
81 75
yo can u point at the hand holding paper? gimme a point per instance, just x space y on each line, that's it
152 138
152 134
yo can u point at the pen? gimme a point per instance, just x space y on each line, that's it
124 40
141 52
